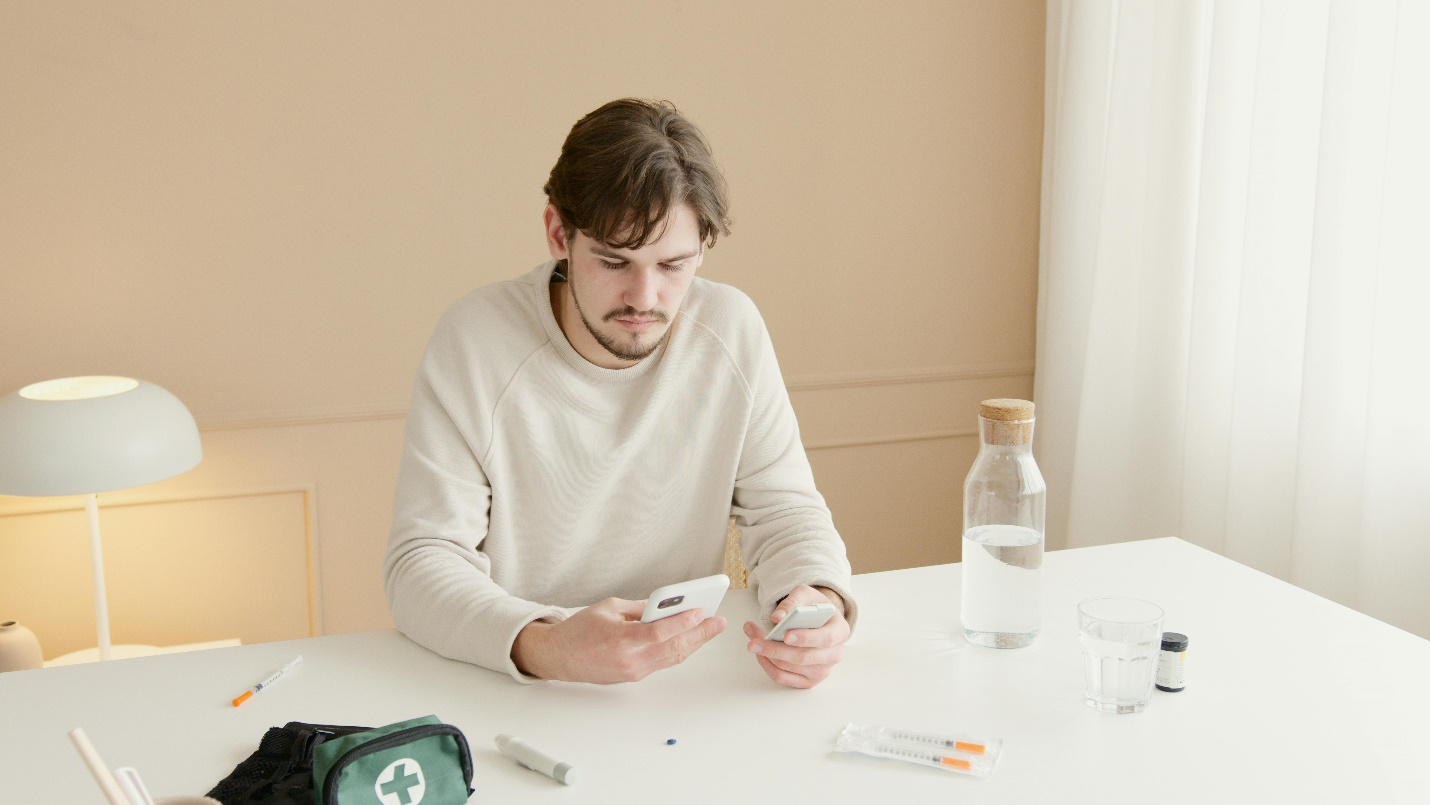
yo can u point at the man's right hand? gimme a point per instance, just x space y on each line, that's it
606 643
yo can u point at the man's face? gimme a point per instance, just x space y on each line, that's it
618 304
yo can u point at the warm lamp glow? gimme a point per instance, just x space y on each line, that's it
85 435
78 435
79 388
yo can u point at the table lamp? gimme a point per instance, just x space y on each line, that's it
85 435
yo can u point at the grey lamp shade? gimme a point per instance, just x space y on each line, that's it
94 434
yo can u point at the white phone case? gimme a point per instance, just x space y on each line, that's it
809 616
673 599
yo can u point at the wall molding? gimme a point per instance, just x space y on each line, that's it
833 444
836 380
300 417
899 377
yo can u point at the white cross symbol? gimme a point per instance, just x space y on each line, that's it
401 783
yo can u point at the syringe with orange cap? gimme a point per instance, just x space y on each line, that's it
243 697
961 753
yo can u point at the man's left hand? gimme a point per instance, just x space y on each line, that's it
807 656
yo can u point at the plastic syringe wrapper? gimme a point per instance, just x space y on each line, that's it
965 754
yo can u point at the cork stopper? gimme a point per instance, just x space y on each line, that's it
1006 410
1009 422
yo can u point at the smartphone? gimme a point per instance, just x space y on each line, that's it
810 616
673 599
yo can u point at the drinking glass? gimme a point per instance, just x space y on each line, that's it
1120 638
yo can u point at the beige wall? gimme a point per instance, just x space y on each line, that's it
265 206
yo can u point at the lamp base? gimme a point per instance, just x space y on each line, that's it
19 648
125 651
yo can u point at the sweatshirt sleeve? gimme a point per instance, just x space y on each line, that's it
437 579
787 533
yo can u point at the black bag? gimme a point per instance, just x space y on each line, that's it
281 771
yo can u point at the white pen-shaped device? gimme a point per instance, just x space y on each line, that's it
536 760
101 772
133 785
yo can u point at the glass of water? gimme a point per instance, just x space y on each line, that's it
1120 638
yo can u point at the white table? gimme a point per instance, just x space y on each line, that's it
1290 698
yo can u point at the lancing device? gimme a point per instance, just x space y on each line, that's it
523 753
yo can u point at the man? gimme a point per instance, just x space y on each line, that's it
579 436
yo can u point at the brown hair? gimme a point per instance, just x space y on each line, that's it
625 166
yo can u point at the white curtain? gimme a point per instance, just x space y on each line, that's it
1234 287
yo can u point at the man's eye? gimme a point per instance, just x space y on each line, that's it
674 267
611 265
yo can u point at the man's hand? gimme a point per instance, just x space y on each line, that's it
606 643
808 655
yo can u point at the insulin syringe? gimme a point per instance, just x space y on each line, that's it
975 756
274 677
958 743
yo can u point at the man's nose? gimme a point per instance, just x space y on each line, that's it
643 291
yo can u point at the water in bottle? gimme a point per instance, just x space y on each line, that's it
1004 507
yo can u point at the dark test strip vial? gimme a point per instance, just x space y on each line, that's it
1172 662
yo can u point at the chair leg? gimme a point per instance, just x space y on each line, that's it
734 565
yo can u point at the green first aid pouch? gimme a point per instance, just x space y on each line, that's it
417 762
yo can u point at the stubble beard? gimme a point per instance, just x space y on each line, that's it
633 352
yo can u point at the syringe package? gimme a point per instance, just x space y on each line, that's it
959 753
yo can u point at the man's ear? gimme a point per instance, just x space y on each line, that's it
555 233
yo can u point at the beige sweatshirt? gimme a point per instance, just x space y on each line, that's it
534 482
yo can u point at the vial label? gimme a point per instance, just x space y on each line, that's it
1171 670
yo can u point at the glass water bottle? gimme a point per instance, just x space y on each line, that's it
1004 504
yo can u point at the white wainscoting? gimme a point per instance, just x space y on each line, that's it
178 568
890 450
